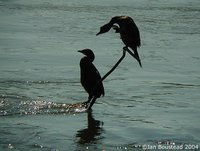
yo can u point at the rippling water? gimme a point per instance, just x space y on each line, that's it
40 90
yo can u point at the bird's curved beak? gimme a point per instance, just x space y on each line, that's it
79 51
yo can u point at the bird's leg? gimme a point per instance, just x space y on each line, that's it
91 103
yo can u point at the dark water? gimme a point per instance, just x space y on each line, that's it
39 76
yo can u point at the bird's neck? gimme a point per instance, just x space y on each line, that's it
114 20
89 58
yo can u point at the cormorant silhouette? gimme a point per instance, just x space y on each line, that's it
90 77
129 33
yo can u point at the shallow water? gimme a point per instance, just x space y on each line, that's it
39 76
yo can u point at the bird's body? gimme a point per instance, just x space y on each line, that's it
90 76
129 33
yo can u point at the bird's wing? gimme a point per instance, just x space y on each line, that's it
134 31
98 78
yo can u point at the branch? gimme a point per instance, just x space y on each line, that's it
107 74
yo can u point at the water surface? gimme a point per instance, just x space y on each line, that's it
39 75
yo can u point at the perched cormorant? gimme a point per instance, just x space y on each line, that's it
90 77
129 33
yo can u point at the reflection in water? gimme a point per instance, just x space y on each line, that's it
92 133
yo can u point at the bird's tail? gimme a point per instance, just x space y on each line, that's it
134 55
137 57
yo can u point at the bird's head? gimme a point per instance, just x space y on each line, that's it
105 28
88 53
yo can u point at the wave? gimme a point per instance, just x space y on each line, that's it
180 85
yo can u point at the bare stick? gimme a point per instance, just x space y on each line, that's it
113 68
107 74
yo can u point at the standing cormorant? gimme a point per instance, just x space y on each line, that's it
129 33
90 77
